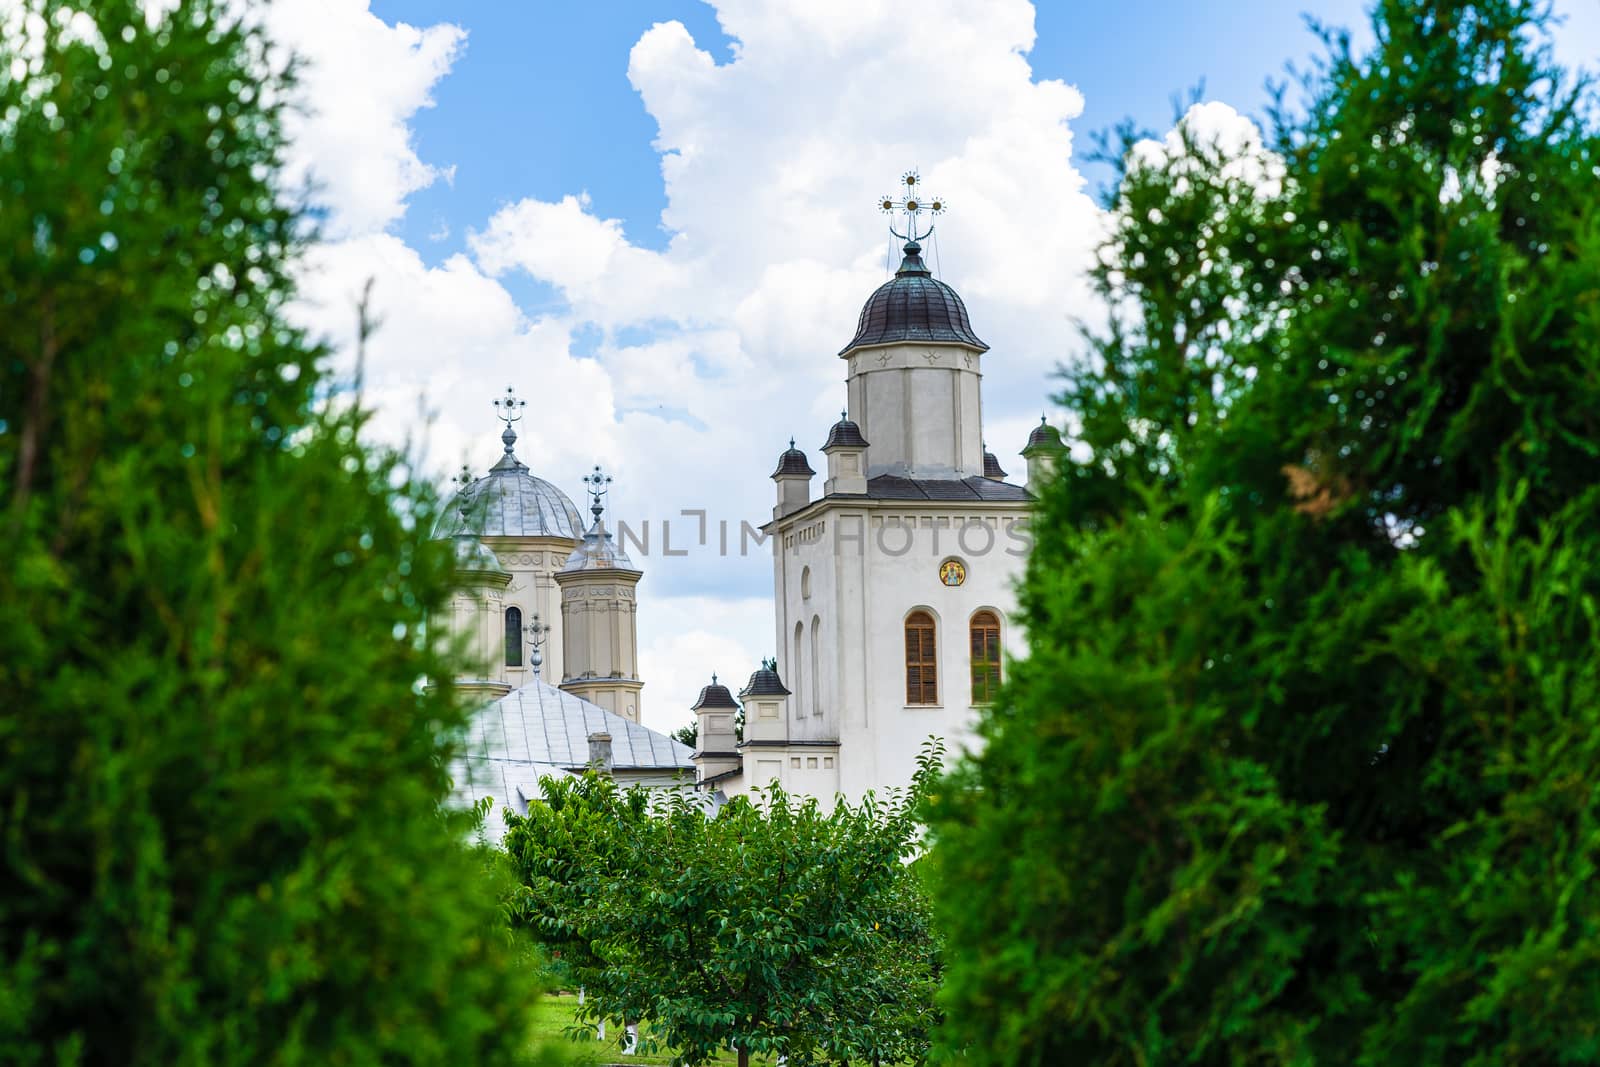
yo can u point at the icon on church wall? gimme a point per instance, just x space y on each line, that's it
952 572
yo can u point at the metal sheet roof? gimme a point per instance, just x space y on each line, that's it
541 730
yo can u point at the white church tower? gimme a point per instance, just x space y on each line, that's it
599 608
893 588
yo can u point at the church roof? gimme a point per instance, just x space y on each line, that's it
598 551
715 695
1044 436
473 556
913 306
845 434
509 502
540 730
764 683
894 487
991 467
793 461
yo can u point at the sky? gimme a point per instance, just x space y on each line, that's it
655 220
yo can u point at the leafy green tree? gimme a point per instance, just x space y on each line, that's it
220 766
772 927
1301 764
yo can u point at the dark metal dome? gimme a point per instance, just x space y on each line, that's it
991 467
845 434
764 683
715 695
1044 436
793 461
914 306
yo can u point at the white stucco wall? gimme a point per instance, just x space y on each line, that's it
919 407
870 565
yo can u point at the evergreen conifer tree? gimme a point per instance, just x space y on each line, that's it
220 770
1302 764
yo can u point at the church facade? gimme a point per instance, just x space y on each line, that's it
893 588
893 585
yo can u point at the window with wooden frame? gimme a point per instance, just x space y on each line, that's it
513 637
984 632
922 659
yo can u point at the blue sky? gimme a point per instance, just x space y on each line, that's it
656 221
540 104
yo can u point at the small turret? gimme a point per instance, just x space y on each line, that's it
1043 451
991 466
846 450
765 699
794 481
714 713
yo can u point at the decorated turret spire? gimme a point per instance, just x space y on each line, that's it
597 482
510 411
912 205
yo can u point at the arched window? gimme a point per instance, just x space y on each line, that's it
513 637
984 631
816 670
796 673
922 661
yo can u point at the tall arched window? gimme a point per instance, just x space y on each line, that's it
797 673
922 660
513 637
816 670
984 631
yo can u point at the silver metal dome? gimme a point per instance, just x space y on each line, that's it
473 555
510 502
598 551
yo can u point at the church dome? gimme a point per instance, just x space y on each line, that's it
510 502
764 683
598 551
914 306
715 695
1044 437
991 467
845 434
473 556
793 461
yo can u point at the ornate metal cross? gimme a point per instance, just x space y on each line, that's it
538 633
912 204
510 409
596 482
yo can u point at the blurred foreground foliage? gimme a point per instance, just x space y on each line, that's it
1303 765
220 771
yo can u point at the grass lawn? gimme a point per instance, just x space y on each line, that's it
553 1014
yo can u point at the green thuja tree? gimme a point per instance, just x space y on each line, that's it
220 766
1303 763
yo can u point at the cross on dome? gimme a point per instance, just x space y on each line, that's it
596 483
510 409
911 204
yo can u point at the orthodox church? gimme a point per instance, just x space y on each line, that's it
531 579
892 587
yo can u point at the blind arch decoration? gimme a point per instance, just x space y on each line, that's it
984 646
922 659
